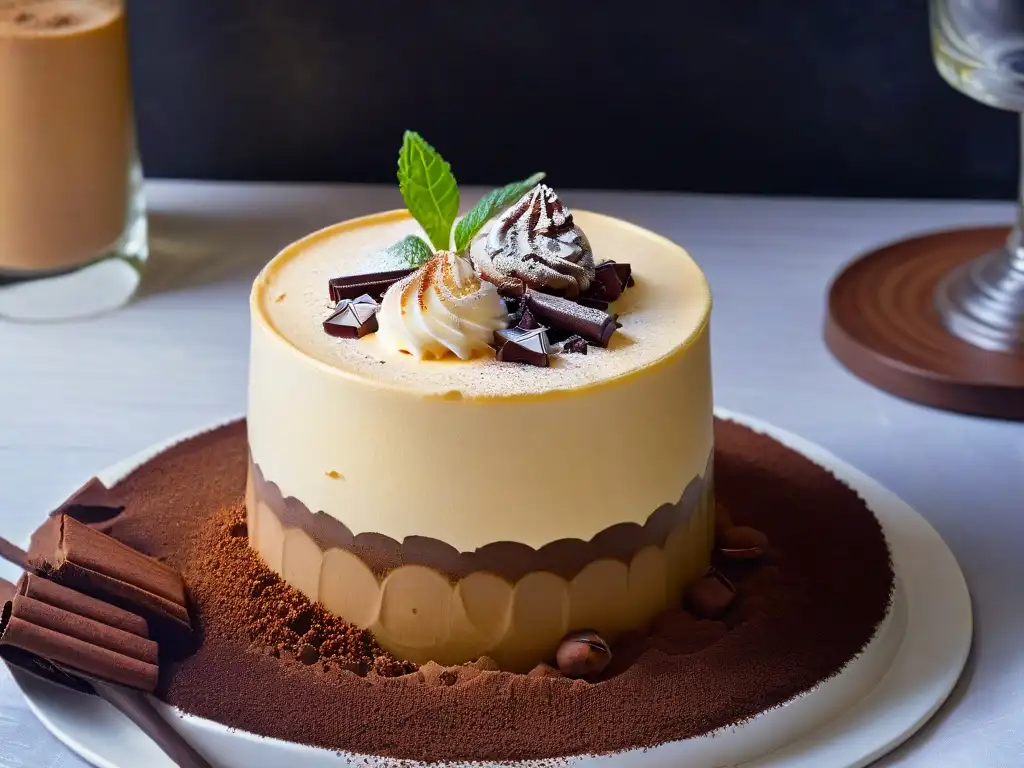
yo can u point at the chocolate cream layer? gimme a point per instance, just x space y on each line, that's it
426 601
507 559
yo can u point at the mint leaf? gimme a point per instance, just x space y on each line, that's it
411 249
490 205
428 187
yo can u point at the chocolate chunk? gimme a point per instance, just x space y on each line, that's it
527 322
575 345
710 596
592 324
518 346
625 273
353 318
607 276
373 284
86 560
583 654
741 542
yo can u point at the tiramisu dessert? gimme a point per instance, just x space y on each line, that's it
471 517
481 453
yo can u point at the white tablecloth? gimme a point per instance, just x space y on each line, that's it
75 398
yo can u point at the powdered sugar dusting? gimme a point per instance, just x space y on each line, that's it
659 314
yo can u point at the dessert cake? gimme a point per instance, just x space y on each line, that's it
479 446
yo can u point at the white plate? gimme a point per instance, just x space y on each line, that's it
880 699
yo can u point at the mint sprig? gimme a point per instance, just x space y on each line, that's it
432 196
428 187
411 249
491 204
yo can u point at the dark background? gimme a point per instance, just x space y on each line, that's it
824 97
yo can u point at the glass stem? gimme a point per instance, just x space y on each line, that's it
982 302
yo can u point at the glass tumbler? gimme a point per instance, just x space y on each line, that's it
73 239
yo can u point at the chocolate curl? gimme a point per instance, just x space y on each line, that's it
372 283
86 560
80 643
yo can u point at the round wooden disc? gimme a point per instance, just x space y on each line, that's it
883 326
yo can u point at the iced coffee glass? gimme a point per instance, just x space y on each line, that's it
72 215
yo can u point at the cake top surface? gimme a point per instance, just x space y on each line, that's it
660 315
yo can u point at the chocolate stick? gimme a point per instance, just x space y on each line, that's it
136 707
570 317
51 593
89 561
12 553
82 644
372 283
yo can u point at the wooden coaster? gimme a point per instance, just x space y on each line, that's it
883 326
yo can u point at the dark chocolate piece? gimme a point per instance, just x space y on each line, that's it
519 346
575 345
373 283
92 504
353 318
592 324
607 276
84 559
624 271
527 322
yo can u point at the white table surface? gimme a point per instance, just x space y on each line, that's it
77 397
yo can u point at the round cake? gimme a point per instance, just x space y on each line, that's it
452 498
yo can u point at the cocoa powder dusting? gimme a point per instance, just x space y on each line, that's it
274 664
278 620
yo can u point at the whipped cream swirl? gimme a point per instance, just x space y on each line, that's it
442 307
535 244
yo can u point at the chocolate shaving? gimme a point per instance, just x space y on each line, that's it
84 559
570 317
373 284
